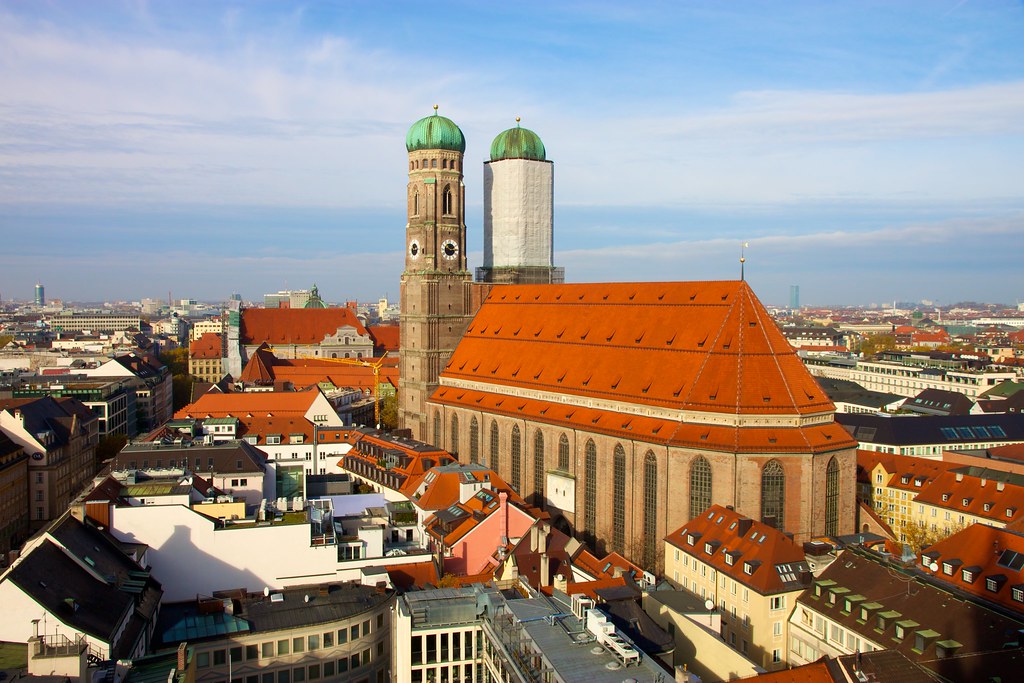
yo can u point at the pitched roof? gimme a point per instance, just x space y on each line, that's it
294 325
750 552
816 672
906 472
913 600
408 577
939 402
259 403
995 555
265 368
988 496
206 347
385 337
912 430
694 346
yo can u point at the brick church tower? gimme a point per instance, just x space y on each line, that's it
437 289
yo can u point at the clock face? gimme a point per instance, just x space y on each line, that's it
414 249
449 249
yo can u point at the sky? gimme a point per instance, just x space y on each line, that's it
866 151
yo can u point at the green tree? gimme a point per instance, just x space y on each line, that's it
108 447
389 412
920 536
176 361
876 343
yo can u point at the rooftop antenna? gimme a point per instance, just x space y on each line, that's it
743 259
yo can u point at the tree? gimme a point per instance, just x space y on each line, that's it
389 412
920 536
176 361
108 447
876 343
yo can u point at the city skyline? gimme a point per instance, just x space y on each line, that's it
866 153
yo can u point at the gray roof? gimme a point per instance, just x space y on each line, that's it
229 457
255 613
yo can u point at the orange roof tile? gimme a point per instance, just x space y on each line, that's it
731 534
906 472
385 337
817 672
701 346
994 556
261 403
818 438
411 576
1000 502
206 347
266 368
294 325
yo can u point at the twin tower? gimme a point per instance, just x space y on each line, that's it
438 293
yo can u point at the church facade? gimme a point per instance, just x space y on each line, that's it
625 409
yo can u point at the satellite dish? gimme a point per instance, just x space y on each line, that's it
934 567
266 591
305 598
709 605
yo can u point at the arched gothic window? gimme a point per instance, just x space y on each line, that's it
474 440
650 510
517 460
538 467
773 494
494 447
619 500
415 202
437 429
832 498
700 486
590 492
446 201
563 453
453 444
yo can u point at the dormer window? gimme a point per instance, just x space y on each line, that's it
945 497
1017 593
988 507
730 558
947 568
969 574
709 548
691 539
967 501
995 582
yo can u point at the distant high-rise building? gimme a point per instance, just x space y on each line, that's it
40 295
794 297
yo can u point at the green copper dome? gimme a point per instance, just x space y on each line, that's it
435 132
518 143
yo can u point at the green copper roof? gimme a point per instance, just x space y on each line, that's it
435 132
518 143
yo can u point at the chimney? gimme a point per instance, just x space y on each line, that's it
182 656
503 516
743 525
1000 486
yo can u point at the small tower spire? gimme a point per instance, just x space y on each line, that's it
743 259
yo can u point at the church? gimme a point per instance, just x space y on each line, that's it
624 409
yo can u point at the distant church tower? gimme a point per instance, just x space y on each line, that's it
437 289
519 211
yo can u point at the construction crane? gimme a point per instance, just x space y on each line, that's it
364 362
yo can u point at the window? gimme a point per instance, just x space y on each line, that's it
273 440
446 201
298 644
437 428
415 203
619 500
832 498
563 453
776 656
778 602
474 440
252 651
453 443
219 658
282 647
650 510
538 466
590 492
494 446
342 636
773 494
202 660
700 486
517 460
267 649
313 642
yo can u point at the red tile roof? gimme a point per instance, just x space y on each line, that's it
907 473
818 438
257 404
412 576
266 369
294 325
206 347
746 541
385 337
701 346
1000 502
816 672
990 553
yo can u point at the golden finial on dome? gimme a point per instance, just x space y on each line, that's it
518 120
435 108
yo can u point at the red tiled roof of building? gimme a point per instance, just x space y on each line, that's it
385 337
755 549
301 326
816 672
207 347
865 509
700 346
408 577
590 588
261 403
999 501
908 473
265 368
981 560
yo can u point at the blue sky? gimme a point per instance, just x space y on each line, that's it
867 151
